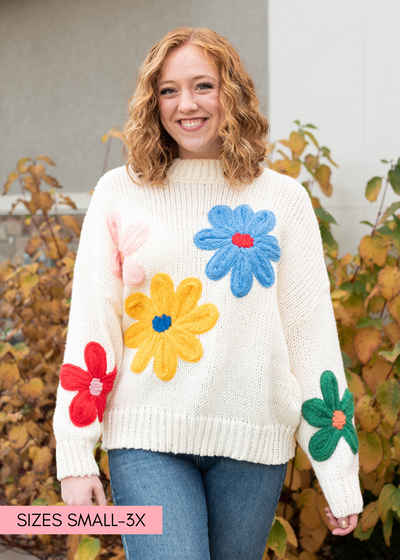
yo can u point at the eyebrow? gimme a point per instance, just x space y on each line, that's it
194 78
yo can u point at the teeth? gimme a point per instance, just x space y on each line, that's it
190 124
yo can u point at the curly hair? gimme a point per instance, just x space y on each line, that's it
149 148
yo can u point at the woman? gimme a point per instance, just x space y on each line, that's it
201 316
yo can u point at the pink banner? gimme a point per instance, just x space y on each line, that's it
81 520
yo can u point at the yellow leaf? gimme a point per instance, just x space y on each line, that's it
371 193
297 143
367 415
29 184
366 341
370 451
388 396
392 331
394 308
374 249
277 539
370 516
33 389
18 436
311 161
46 159
322 175
389 282
104 138
356 386
307 556
21 164
37 171
28 282
310 540
9 375
41 458
301 461
104 465
337 294
43 201
72 223
291 536
321 504
287 167
67 201
296 480
376 373
385 501
27 481
309 512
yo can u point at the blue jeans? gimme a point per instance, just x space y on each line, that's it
214 508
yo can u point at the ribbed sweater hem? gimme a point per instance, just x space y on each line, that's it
158 430
343 495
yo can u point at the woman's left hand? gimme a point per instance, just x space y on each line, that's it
345 524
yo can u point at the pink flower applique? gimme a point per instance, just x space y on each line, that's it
122 262
92 385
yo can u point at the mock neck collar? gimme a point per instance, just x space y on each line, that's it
196 171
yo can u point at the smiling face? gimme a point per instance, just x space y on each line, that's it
190 108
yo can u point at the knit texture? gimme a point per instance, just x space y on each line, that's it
211 359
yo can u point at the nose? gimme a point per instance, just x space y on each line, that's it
187 101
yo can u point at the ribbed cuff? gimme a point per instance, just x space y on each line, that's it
343 496
75 458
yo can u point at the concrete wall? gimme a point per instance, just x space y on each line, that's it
336 65
68 69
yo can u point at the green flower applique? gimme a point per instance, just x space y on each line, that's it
333 416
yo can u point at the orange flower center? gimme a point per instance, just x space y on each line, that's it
338 419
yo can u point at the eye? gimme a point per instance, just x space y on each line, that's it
205 86
166 90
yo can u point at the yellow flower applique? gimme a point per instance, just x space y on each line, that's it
166 324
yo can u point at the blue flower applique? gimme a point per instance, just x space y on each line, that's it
243 245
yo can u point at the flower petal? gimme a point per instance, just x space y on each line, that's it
350 435
186 297
95 359
114 226
200 320
133 273
74 378
324 442
82 409
330 390
165 360
347 404
115 262
137 333
209 239
108 381
134 236
145 353
185 344
261 266
140 307
243 215
316 412
269 244
262 222
162 293
221 263
242 275
221 217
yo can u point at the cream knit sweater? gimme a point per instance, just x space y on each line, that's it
200 322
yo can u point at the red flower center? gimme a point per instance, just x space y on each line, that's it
95 387
338 419
243 240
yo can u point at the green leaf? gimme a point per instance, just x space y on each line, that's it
384 161
310 126
395 501
394 178
325 216
327 236
397 364
327 153
360 288
387 528
389 211
388 396
396 219
373 188
277 539
348 286
297 122
358 534
363 323
366 222
346 360
384 230
384 500
396 238
39 502
88 549
377 323
391 355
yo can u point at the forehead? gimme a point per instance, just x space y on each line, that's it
186 61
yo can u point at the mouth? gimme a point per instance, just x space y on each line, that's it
192 124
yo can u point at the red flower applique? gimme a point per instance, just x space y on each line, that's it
92 385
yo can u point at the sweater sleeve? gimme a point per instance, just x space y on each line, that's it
94 345
326 431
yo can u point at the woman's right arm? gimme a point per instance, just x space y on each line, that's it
92 356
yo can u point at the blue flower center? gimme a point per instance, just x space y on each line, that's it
161 324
